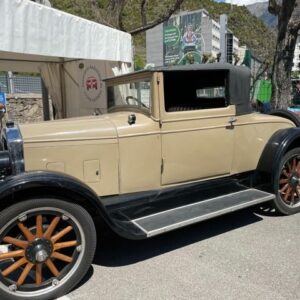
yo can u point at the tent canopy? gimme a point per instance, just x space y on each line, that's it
28 28
66 50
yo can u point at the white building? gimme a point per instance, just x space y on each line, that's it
211 35
236 44
296 66
229 42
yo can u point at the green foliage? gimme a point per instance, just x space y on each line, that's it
296 74
139 62
75 7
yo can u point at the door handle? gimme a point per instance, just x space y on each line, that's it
231 121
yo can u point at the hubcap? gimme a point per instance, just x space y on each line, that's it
294 180
39 250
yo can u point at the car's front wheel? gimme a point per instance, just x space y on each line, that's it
287 183
46 247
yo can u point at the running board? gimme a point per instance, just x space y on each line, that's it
185 215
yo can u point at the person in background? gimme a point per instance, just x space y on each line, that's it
264 95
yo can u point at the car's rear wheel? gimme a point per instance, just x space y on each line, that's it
46 247
287 183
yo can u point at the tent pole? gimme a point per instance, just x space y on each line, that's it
63 90
46 110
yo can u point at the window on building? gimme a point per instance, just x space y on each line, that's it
229 42
195 90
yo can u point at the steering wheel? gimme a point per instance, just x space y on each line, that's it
136 100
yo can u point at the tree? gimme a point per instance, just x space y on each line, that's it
288 12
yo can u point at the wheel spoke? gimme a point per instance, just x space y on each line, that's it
292 197
283 181
38 274
294 164
285 173
52 267
60 234
14 266
24 274
284 188
289 167
62 257
12 254
298 167
51 227
16 242
39 226
58 246
26 232
286 196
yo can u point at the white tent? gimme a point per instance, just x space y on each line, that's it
72 54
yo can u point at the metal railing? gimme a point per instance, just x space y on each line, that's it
20 84
4 84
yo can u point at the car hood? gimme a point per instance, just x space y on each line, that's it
73 129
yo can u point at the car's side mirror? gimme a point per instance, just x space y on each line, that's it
131 119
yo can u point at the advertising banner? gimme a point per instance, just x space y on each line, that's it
182 39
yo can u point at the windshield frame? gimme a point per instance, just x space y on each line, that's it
129 80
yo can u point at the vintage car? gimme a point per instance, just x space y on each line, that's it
178 145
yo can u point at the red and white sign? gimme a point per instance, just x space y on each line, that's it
92 87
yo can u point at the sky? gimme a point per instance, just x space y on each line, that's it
241 2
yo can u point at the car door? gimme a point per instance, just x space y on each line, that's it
197 143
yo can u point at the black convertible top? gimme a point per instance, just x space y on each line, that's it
238 80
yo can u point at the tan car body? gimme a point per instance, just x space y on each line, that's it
161 149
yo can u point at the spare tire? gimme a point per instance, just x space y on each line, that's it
287 115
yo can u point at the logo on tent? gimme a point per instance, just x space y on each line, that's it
91 83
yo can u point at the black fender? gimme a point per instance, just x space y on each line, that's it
43 183
280 143
283 113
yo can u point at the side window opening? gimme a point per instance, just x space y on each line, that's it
132 94
195 90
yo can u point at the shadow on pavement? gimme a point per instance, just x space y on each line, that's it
114 251
85 279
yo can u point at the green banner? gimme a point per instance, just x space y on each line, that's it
171 35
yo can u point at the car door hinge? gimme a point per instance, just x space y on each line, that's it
162 166
157 80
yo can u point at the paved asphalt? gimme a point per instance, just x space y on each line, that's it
245 255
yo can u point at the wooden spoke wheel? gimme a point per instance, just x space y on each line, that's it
45 248
288 183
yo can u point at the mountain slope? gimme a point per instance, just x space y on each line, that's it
260 10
